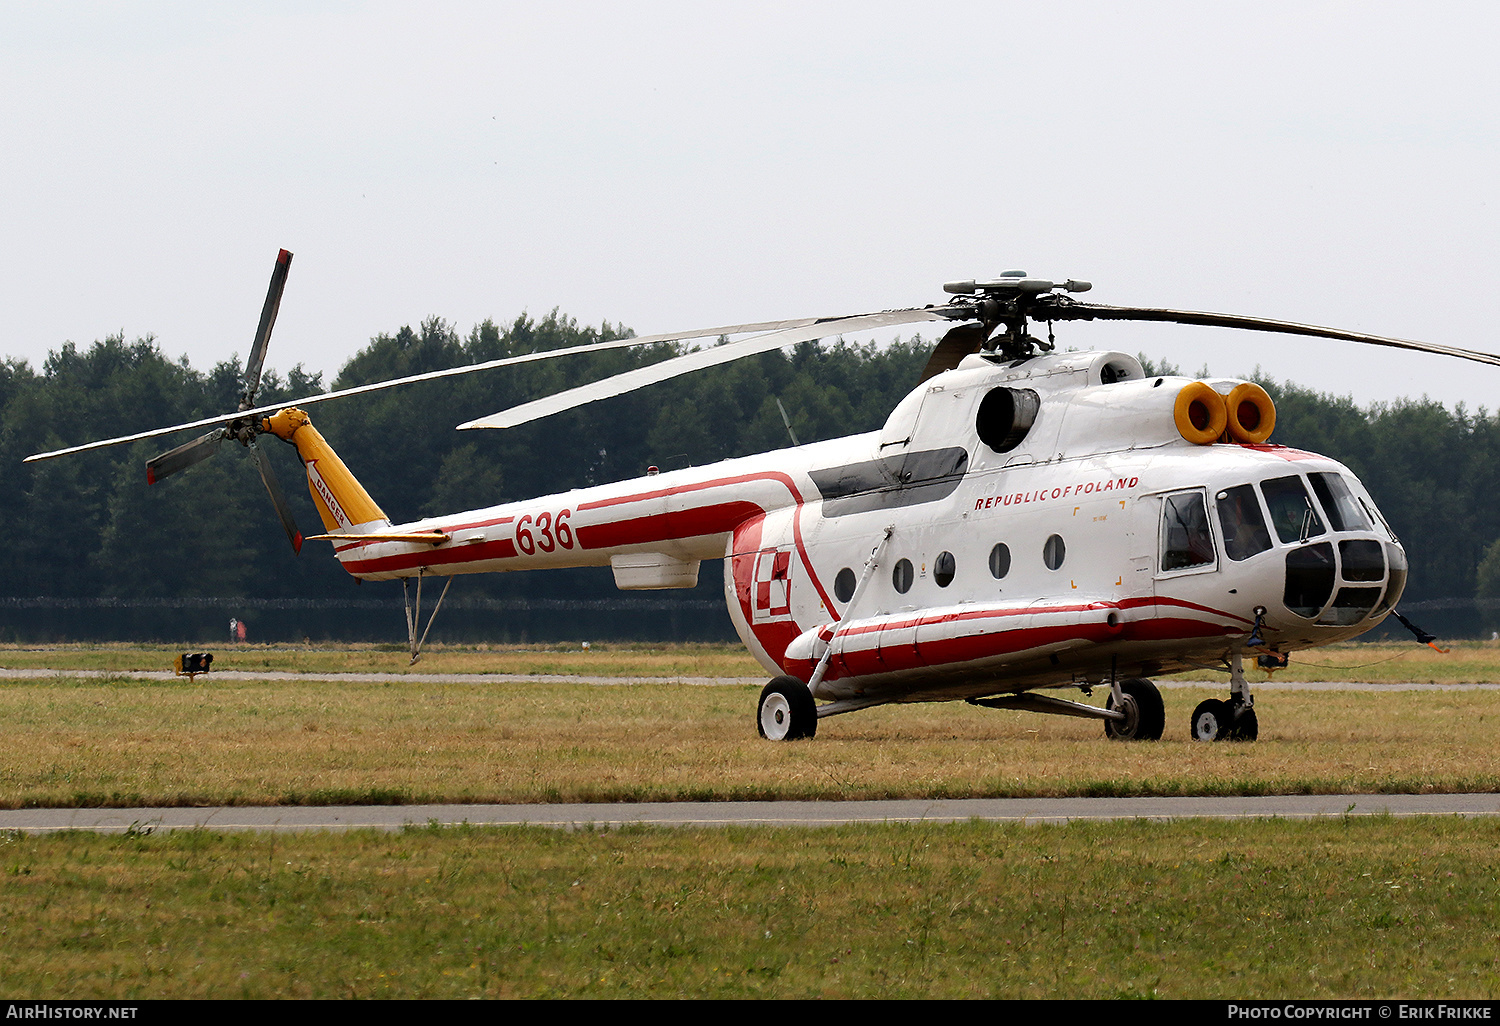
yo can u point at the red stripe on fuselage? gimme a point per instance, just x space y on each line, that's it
722 518
937 653
1285 452
920 619
450 528
980 614
445 528
1163 600
502 548
722 482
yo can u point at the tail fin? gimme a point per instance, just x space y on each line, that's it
342 501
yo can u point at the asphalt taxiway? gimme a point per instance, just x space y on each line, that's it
747 814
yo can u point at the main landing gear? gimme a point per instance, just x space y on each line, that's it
1133 711
1143 717
787 711
1234 720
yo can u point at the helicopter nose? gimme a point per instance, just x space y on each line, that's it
1363 580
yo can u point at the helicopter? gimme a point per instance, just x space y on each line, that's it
1026 520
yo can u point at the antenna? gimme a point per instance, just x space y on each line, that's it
787 421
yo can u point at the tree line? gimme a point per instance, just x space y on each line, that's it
92 551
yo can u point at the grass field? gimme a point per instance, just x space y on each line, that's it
1339 909
605 660
120 741
1202 909
1468 661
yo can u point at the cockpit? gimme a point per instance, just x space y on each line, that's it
1343 563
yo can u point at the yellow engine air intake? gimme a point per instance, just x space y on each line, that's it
341 500
1252 415
1200 413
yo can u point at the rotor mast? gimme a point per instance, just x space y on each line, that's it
1011 301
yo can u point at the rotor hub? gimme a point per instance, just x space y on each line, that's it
1014 299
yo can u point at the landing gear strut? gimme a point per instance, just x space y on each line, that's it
1234 720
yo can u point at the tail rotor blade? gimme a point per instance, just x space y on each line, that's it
278 498
268 313
184 456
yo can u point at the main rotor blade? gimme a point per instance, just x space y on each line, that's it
1093 311
184 456
957 344
548 354
278 498
711 356
263 333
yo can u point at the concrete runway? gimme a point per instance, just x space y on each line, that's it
757 814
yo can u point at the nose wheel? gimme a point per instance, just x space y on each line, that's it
1216 720
787 711
1234 720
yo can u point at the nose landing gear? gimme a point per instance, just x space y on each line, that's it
1217 720
1234 720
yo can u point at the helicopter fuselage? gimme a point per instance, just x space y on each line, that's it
1015 525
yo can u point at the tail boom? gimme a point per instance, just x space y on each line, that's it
652 530
341 500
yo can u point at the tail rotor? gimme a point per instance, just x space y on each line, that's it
244 429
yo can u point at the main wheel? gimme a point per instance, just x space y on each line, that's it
786 711
1145 715
1212 720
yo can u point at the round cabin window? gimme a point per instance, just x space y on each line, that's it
943 569
1000 561
1054 552
843 585
901 576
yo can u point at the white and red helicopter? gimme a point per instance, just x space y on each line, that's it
1026 520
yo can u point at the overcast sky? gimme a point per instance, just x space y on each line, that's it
668 166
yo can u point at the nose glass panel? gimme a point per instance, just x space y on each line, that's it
1361 560
1350 606
1309 579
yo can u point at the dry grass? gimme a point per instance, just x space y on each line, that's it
1343 909
1468 661
1362 908
124 742
615 659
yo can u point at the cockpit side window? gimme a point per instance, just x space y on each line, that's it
1339 503
1185 537
1240 519
1292 510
